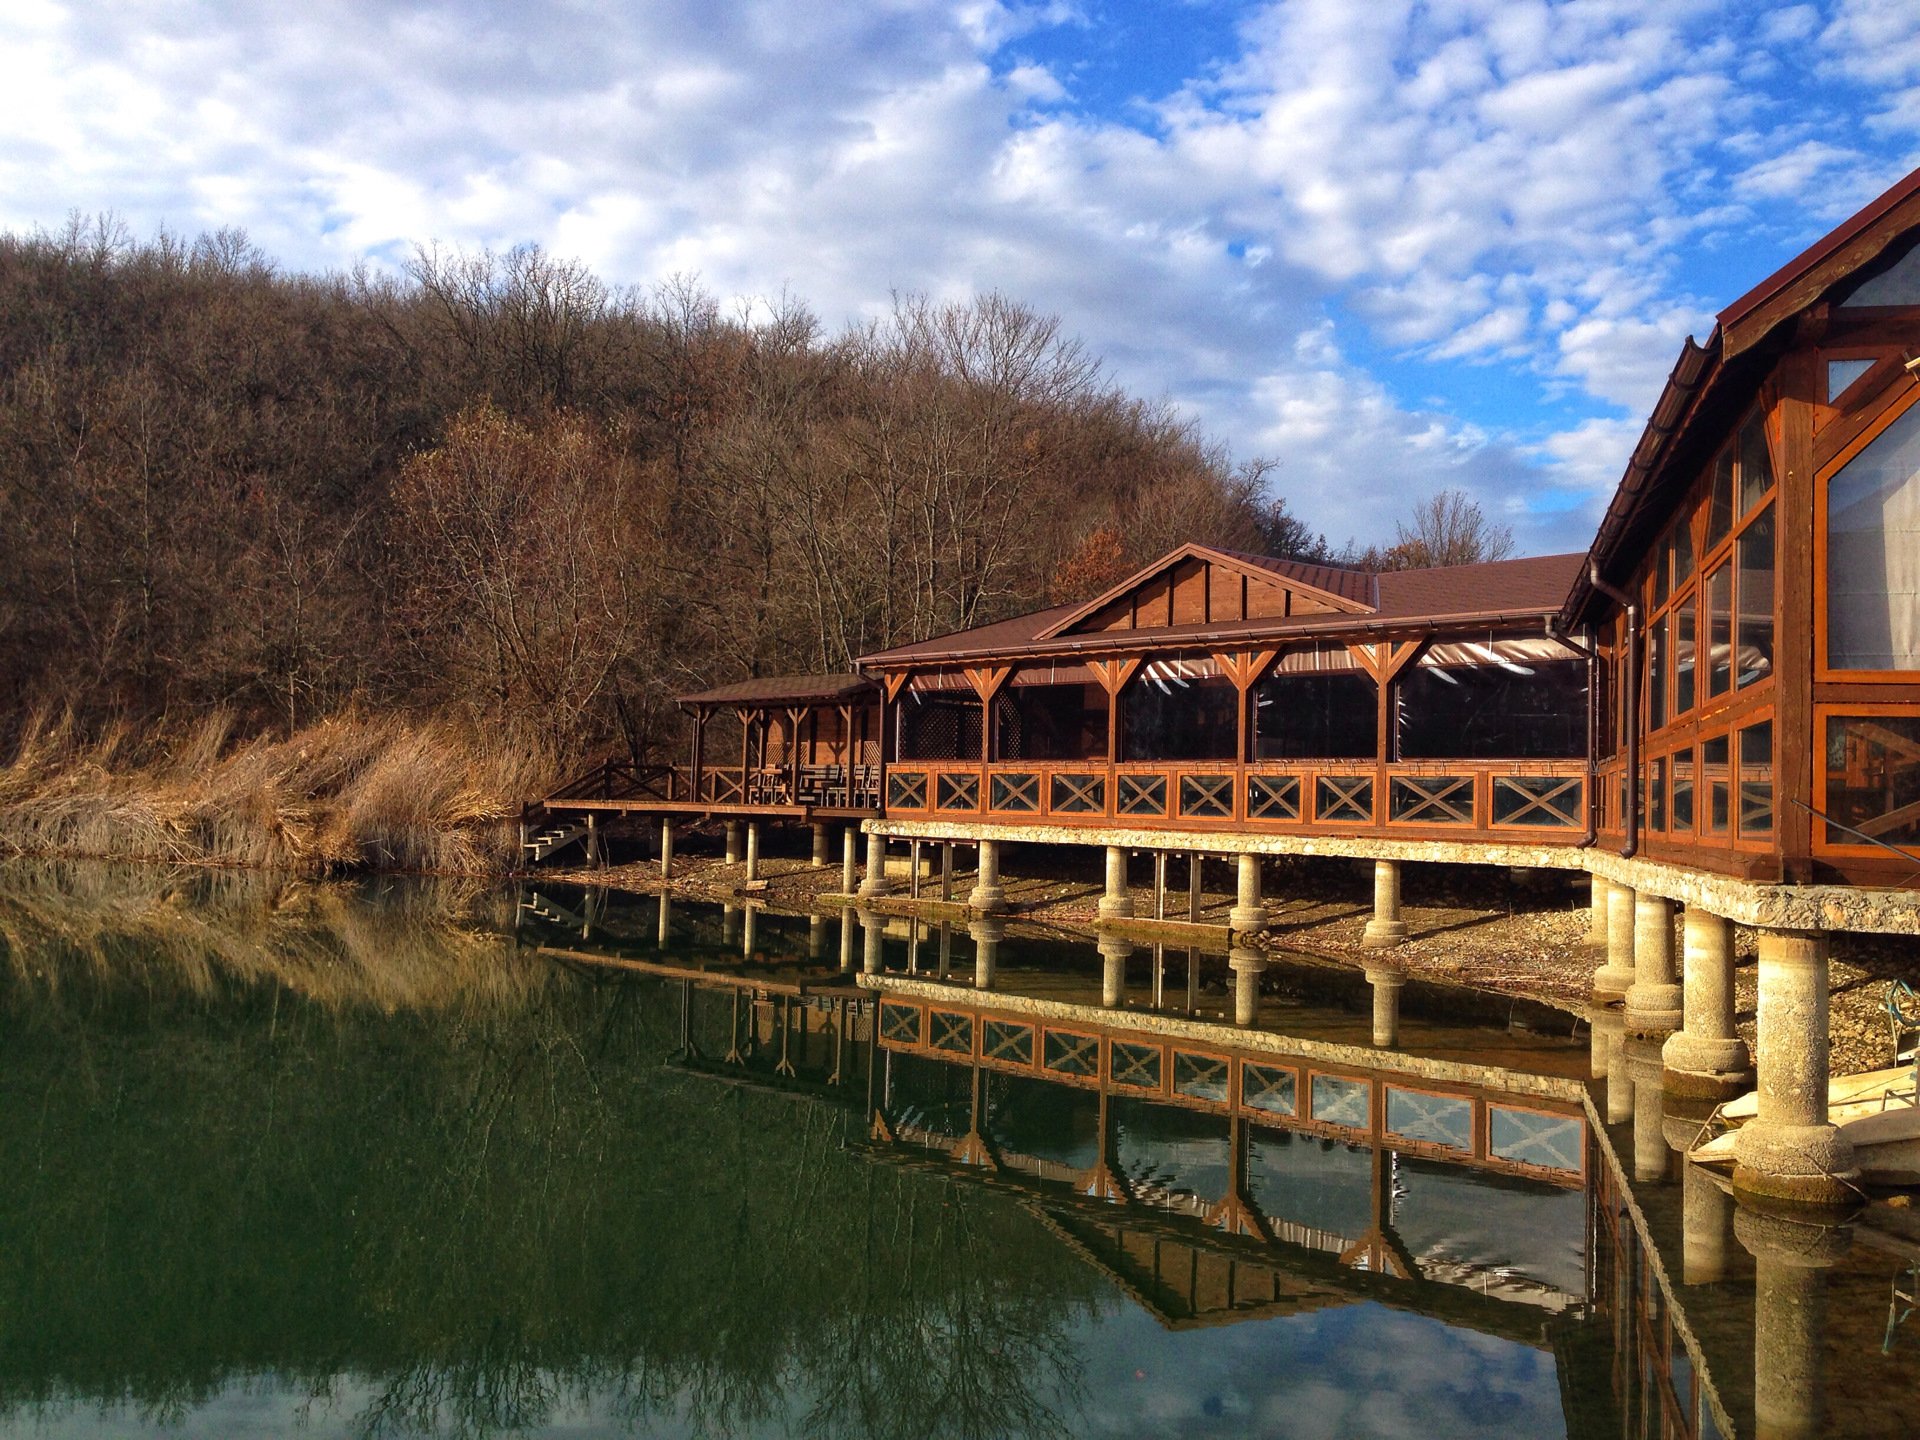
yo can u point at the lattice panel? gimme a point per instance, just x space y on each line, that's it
1431 799
1074 794
1206 797
1141 795
1433 1119
1273 797
1202 1077
906 789
951 1032
1344 798
1068 1054
1137 1066
1548 801
958 790
1756 807
1338 1100
1526 1137
1017 790
1007 1043
1266 1087
899 1024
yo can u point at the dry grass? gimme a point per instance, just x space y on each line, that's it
346 794
439 944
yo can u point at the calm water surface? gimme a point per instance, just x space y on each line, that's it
420 1161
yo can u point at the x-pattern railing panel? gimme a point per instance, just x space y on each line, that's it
1268 1088
906 790
1078 793
1206 796
1017 790
1065 1053
1432 1119
1273 797
1137 1066
957 790
1200 1077
1008 1043
1432 799
1546 800
951 1032
1343 798
900 1024
1141 795
1340 1100
1527 1137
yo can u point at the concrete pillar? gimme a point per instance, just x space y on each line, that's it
733 842
1707 1058
876 882
872 929
1706 1222
666 849
666 920
729 924
987 932
846 942
822 845
1790 1263
1619 1079
1249 914
1387 984
1114 953
849 861
1653 1000
1117 902
753 850
1790 1150
1597 1042
746 938
1247 965
1386 928
1615 975
816 936
1650 1152
987 895
1597 904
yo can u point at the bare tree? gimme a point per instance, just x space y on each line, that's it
1447 529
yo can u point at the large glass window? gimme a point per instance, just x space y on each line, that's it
1756 780
1716 776
1656 677
1535 710
1682 792
1719 630
1873 779
1753 638
1756 463
1174 718
1332 716
1051 722
1683 656
1873 554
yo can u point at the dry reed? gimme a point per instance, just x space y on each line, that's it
349 793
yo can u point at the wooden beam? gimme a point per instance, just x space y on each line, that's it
895 682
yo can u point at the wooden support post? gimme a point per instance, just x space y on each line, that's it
593 841
699 755
1159 884
913 878
1196 875
946 870
849 869
666 849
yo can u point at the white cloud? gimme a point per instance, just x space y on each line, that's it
1506 187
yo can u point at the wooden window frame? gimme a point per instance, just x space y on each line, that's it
1823 713
1823 478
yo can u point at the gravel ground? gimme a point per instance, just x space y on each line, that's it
1520 933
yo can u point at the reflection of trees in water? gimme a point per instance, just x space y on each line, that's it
490 1208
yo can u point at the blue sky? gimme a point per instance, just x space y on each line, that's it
1393 246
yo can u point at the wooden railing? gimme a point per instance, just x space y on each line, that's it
616 779
1537 800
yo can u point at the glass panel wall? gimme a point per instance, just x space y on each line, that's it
1873 779
1873 554
1332 716
1531 711
1179 719
1050 722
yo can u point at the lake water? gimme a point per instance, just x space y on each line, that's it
417 1160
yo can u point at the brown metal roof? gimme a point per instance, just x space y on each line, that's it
1348 584
792 689
1498 591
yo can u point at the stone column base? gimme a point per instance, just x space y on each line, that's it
1383 934
1704 1068
1249 920
1653 1009
988 899
1116 907
1805 1164
1611 983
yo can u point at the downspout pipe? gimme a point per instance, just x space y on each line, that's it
1632 608
1589 648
